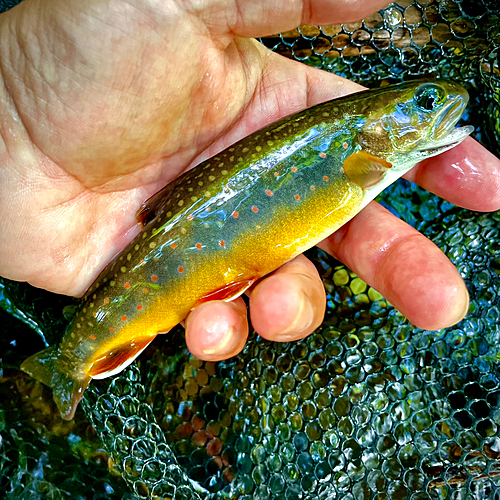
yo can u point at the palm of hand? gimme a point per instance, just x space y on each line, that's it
113 113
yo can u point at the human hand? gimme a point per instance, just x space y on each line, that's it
102 103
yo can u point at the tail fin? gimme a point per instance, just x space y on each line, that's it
67 387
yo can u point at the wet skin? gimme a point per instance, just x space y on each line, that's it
93 121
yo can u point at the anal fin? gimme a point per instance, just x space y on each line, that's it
118 358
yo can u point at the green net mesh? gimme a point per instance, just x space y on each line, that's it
368 407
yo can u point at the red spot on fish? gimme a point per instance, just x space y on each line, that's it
345 145
95 315
156 259
190 217
297 197
139 307
222 243
127 285
255 209
124 318
92 337
323 155
173 245
235 214
111 329
154 278
269 192
144 290
325 178
294 169
313 188
180 269
106 300
199 246
276 174
208 209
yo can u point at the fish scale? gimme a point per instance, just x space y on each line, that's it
238 216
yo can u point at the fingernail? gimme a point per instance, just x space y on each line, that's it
461 312
302 321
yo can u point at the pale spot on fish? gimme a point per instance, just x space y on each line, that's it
123 269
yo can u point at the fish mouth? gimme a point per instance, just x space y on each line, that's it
444 134
452 139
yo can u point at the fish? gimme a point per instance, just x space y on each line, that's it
219 227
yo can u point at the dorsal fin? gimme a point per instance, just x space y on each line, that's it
152 206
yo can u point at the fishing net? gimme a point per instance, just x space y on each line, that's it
368 407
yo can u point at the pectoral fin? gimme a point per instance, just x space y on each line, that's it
364 169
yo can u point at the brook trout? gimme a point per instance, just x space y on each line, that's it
238 216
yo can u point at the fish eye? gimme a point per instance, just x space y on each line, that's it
429 96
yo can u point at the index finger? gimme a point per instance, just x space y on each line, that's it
266 17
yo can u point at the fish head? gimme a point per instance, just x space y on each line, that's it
406 123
